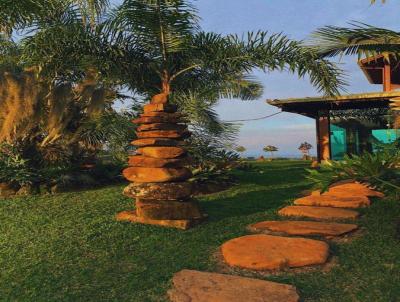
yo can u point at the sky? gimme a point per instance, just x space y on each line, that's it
296 19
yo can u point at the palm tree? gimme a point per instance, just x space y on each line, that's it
270 149
151 47
179 57
305 149
362 40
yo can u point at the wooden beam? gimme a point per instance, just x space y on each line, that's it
323 138
387 81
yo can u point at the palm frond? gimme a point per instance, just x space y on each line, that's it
203 117
361 39
161 25
229 55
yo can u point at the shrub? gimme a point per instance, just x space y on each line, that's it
14 169
380 170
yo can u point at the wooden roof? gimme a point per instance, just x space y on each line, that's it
310 106
373 66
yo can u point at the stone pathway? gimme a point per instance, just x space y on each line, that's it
268 251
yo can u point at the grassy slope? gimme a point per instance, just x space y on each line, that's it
69 248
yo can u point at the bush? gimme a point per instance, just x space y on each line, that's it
14 169
212 164
380 170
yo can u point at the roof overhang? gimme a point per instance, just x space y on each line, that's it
310 106
372 68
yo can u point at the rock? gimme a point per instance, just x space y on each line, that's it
160 191
158 169
304 228
162 114
162 152
26 190
195 286
158 119
161 126
170 210
152 162
161 98
334 201
170 108
266 252
163 134
6 190
182 224
141 174
143 142
318 212
353 189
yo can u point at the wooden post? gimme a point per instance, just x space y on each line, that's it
387 81
323 137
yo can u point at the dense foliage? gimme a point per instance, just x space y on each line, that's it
73 59
380 170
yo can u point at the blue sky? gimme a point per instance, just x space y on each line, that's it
297 19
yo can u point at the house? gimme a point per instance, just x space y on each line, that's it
354 123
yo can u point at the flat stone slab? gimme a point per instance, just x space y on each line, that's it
195 286
144 174
266 252
318 212
350 189
334 201
182 224
162 152
304 228
160 191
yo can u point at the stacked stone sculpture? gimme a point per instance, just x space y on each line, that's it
158 171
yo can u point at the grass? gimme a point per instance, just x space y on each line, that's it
68 247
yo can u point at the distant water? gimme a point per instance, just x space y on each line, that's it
276 154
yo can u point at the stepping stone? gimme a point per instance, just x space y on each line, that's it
195 286
304 228
266 252
318 212
334 201
350 190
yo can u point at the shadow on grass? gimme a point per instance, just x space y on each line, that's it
249 203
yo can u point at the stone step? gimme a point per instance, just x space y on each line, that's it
266 252
303 228
195 286
318 212
184 224
350 189
334 201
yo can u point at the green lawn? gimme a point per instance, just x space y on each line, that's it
68 247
